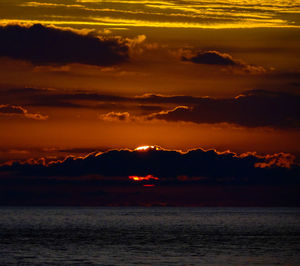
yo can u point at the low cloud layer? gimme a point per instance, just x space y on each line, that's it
45 45
19 111
251 109
254 108
167 165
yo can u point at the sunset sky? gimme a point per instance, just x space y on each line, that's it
78 76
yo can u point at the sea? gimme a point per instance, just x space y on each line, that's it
149 236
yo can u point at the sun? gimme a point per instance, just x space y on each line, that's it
145 148
142 178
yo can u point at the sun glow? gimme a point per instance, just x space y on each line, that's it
142 178
145 148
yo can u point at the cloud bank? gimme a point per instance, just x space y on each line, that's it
256 108
253 108
167 165
46 45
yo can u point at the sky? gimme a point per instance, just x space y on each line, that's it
212 83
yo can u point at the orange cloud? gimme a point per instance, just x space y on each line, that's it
115 116
279 159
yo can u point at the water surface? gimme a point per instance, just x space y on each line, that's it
149 236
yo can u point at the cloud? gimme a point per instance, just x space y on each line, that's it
49 45
212 58
220 59
79 99
165 164
208 166
59 98
115 116
136 41
253 108
256 108
278 159
153 177
19 111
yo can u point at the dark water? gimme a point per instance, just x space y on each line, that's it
149 236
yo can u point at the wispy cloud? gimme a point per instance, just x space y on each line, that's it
253 108
173 14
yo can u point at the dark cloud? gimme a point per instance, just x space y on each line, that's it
255 108
169 166
82 150
11 109
167 99
43 45
220 59
194 178
61 98
49 153
79 99
212 58
19 111
150 108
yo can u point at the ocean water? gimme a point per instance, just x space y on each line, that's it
149 236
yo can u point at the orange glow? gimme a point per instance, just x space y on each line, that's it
151 185
144 148
141 178
136 98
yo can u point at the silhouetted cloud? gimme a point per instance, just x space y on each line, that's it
168 165
153 177
60 98
212 58
256 108
19 111
220 59
43 45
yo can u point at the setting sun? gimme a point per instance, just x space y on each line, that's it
144 148
141 178
141 131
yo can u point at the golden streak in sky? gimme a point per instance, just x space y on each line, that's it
142 178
